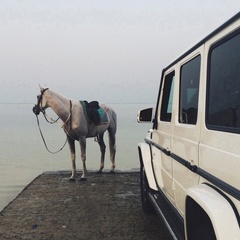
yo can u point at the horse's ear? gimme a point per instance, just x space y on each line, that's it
41 88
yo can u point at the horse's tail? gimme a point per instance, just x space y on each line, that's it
113 121
112 129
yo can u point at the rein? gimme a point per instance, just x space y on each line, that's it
52 120
37 109
45 141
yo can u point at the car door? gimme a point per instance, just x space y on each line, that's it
220 139
186 128
161 136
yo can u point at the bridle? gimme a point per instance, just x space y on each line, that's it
37 109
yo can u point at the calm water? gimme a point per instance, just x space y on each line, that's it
23 155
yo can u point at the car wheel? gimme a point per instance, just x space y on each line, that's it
146 204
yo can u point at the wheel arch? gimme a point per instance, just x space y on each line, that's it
145 160
205 206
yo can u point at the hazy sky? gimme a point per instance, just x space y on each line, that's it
112 51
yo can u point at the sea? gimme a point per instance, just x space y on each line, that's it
23 155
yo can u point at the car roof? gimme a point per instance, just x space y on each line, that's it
231 20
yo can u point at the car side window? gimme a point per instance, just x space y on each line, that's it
189 88
223 95
167 98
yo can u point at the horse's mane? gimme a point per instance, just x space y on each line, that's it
58 95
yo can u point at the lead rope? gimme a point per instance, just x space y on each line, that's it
54 121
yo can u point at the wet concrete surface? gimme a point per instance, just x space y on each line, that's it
105 206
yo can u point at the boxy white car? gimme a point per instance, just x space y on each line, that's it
190 159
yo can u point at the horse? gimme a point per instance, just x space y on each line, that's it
78 127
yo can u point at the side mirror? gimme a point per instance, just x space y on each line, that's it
145 115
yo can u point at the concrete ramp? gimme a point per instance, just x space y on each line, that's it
106 206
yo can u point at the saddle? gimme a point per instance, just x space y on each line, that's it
94 113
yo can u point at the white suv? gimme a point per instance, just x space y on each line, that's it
190 159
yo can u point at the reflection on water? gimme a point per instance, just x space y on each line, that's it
24 157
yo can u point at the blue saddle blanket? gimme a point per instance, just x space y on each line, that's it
102 115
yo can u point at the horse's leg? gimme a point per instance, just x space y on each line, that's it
112 147
82 142
103 150
73 156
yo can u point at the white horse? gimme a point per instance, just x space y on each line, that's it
77 126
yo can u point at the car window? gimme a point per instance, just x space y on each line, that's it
223 98
189 86
167 98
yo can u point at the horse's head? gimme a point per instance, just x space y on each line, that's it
41 103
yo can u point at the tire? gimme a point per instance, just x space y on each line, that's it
146 204
205 232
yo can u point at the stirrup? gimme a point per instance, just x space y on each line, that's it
96 138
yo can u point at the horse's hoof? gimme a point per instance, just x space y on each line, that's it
71 179
99 172
82 179
111 172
